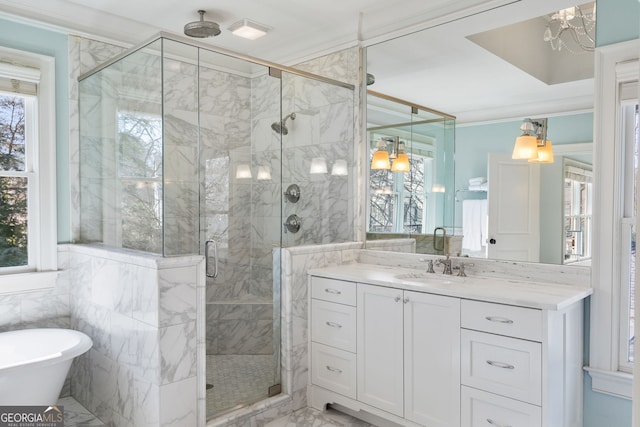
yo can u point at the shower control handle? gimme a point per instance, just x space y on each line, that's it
292 224
207 245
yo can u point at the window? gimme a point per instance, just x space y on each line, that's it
613 250
139 155
27 172
397 199
630 144
578 195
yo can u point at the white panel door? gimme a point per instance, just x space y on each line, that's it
514 209
379 348
432 359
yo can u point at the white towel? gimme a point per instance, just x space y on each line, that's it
474 224
479 187
477 180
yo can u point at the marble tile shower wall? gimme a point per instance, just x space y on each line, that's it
324 128
141 312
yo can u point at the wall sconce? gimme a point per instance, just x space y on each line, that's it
381 159
243 172
533 145
340 168
264 173
318 166
437 188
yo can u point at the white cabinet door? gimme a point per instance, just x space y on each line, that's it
432 359
380 348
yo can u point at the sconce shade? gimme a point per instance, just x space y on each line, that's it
380 160
264 173
437 188
401 163
545 154
243 172
526 147
318 166
340 168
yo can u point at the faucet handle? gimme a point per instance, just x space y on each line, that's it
461 273
429 264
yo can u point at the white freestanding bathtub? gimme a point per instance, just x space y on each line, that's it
34 364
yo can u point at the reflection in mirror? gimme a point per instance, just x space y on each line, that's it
491 71
525 201
412 200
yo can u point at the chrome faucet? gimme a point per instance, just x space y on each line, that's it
429 264
447 265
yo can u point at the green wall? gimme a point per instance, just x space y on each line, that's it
617 21
36 40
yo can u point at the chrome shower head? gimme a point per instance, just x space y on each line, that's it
281 127
202 28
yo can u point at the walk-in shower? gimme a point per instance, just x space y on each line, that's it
178 157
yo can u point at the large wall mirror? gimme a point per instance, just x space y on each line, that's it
489 72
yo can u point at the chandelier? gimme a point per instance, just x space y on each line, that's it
572 29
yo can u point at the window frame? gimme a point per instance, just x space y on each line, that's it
614 65
42 272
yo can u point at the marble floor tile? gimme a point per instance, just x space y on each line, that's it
309 417
238 380
75 415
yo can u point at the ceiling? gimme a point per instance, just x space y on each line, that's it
418 50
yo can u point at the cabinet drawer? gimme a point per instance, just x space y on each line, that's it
482 409
333 324
339 291
502 319
502 365
333 369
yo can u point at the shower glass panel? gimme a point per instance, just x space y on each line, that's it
121 153
183 151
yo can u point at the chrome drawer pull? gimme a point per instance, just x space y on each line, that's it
332 291
493 423
336 370
500 364
499 319
334 324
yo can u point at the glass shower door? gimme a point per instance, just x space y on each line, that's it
240 194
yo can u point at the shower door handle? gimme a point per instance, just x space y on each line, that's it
207 245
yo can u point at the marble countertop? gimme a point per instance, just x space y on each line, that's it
504 291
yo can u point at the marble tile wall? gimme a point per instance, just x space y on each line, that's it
323 129
142 313
41 309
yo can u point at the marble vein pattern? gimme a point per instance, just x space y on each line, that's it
141 314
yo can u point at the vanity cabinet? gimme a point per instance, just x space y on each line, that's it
426 359
520 366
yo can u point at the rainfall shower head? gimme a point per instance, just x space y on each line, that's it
281 127
202 28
